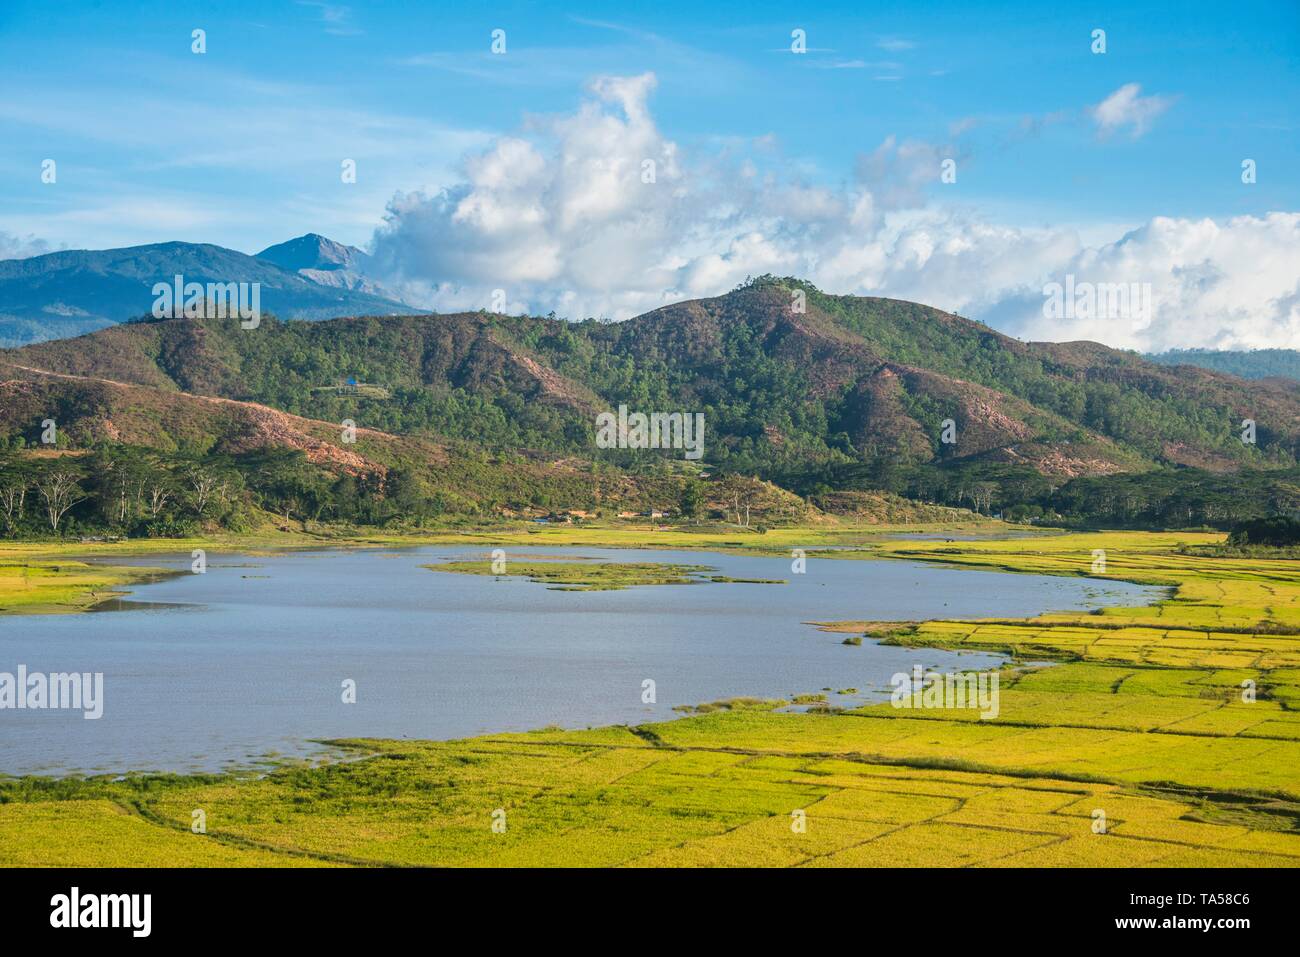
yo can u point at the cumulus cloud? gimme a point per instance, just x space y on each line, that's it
1230 285
598 213
1126 107
587 216
897 174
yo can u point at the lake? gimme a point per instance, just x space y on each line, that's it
248 660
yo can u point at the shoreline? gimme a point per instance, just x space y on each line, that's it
1176 761
64 558
253 763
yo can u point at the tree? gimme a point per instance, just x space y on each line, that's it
407 496
120 476
692 498
982 495
207 486
157 486
59 488
735 503
288 483
15 480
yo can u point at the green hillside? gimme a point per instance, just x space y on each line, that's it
850 380
799 390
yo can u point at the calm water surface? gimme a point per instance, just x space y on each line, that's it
247 660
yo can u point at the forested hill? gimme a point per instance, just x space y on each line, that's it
849 383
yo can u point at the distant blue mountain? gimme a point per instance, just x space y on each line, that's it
1255 364
68 293
316 252
321 260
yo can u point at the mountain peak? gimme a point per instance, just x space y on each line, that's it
313 251
71 292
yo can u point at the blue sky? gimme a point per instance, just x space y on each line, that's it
241 145
97 87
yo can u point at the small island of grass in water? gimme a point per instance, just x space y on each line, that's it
599 576
1145 715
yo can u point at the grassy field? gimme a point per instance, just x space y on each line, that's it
1140 747
55 577
52 586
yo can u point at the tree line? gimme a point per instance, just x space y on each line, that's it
128 491
1177 497
131 491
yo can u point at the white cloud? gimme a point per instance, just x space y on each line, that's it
21 247
1126 107
336 18
559 217
1231 285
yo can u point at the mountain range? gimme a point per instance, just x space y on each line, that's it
808 392
72 292
848 382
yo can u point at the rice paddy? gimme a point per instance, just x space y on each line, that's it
1160 736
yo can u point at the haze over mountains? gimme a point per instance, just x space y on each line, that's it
68 293
321 260
1253 364
72 292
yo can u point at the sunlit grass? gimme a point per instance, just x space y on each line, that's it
1164 736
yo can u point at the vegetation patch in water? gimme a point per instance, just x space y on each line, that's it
587 576
732 704
1177 723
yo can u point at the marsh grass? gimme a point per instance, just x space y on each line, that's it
732 704
580 576
1145 719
